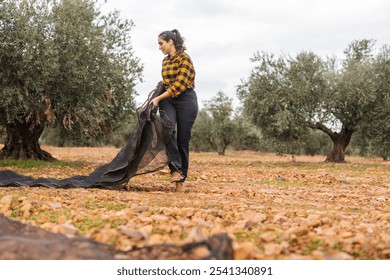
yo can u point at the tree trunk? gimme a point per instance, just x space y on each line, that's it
340 143
22 142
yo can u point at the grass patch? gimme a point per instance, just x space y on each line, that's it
164 202
165 178
29 163
88 223
52 216
14 191
183 235
278 235
288 184
114 206
313 246
363 256
364 167
158 231
361 167
245 235
15 206
338 246
94 204
115 224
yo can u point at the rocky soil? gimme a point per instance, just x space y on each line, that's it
271 207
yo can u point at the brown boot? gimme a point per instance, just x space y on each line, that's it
176 177
180 187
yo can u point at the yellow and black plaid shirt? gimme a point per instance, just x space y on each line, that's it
178 74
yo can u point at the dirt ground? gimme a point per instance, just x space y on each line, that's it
272 207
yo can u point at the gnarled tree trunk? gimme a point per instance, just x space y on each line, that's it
220 150
22 142
340 143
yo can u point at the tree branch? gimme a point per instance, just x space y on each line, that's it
328 131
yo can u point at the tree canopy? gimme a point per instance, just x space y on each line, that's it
66 63
285 96
374 132
215 124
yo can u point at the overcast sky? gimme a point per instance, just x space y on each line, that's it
222 35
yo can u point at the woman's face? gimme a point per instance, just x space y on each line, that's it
164 46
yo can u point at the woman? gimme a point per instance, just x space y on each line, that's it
178 102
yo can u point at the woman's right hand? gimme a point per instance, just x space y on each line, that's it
154 102
157 99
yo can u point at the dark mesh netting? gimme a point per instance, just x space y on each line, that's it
145 152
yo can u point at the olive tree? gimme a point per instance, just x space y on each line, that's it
66 63
216 124
373 134
286 96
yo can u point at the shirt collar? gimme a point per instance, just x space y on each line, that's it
175 55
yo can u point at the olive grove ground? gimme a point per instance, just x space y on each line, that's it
271 207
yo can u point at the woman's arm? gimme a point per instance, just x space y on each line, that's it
184 78
157 99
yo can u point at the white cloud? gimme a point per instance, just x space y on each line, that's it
223 35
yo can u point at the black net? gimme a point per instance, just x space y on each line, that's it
144 152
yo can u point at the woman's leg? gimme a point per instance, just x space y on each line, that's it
166 105
187 111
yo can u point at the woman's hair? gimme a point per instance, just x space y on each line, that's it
178 41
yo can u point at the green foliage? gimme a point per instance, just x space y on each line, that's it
352 93
25 164
373 134
117 135
285 96
278 94
65 62
249 137
317 143
27 58
201 132
215 124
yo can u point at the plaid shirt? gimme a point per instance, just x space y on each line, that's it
178 74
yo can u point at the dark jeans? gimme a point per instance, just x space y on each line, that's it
182 111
